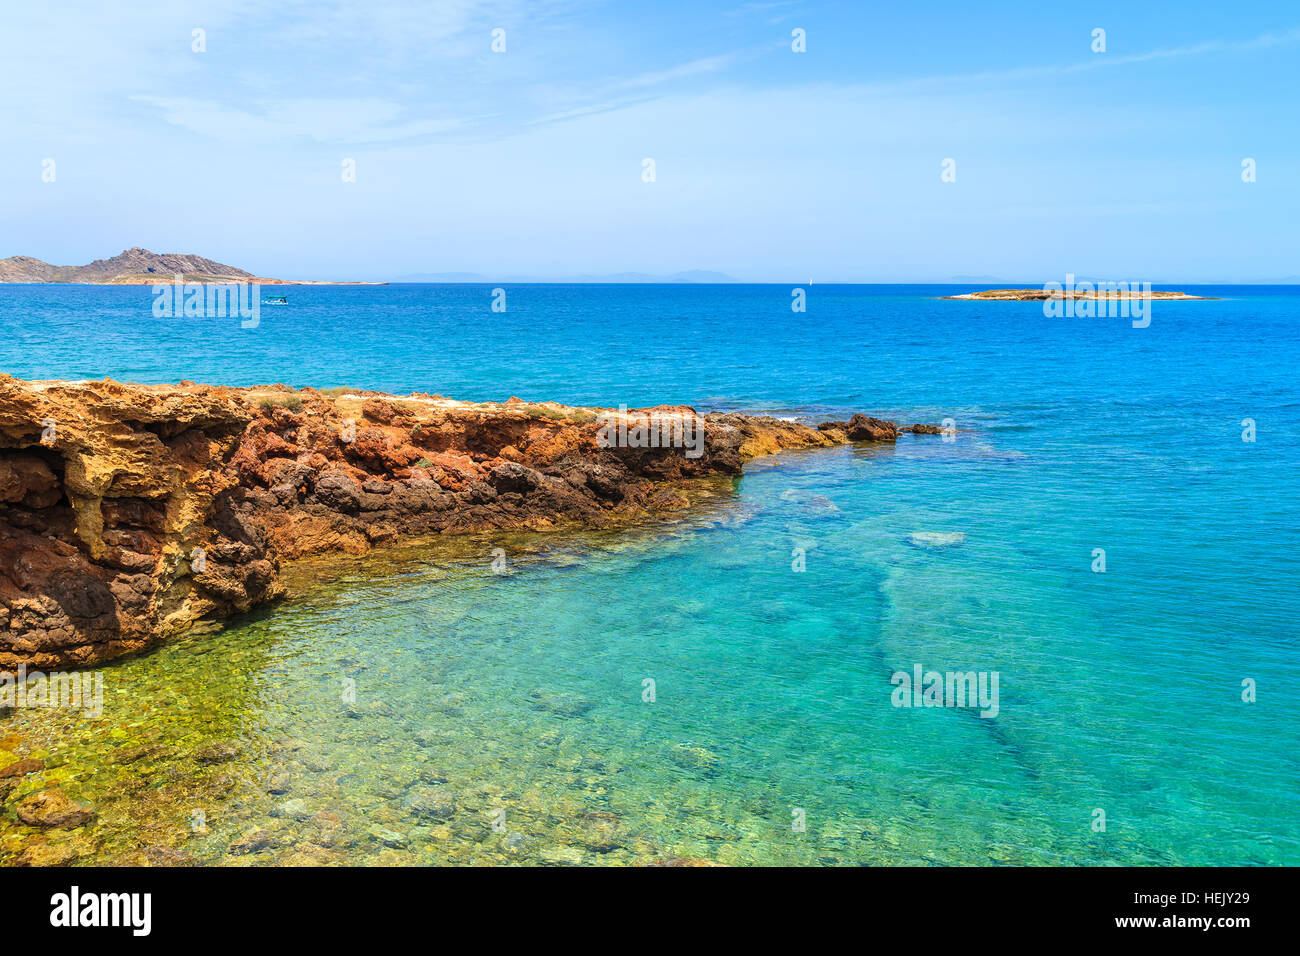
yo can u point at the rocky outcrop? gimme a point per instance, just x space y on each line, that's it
1042 295
138 266
862 428
104 491
132 264
128 513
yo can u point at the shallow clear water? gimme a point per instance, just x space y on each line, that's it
522 693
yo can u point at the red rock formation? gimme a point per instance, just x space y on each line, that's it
129 512
862 428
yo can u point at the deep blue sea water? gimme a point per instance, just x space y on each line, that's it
1119 691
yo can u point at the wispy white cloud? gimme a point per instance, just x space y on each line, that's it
362 120
1101 61
338 121
700 67
766 10
774 161
612 93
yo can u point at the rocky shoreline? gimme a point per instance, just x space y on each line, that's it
129 513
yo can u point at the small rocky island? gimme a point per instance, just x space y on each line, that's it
129 513
1043 295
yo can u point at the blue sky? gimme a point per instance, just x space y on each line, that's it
770 165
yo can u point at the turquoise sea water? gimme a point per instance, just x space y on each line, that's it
518 699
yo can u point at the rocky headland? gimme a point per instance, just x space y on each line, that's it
128 513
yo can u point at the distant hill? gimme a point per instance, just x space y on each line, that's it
141 267
132 267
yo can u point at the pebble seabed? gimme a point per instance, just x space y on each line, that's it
284 739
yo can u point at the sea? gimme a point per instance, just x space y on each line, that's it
1107 537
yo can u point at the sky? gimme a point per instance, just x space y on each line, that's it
769 164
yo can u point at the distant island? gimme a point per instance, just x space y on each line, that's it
1042 295
138 266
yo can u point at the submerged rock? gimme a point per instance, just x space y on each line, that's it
514 843
563 856
821 503
254 841
52 808
327 829
157 855
295 809
693 757
430 775
124 755
560 704
21 768
216 753
309 855
600 830
40 853
389 838
429 802
683 861
936 539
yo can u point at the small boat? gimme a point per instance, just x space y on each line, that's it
276 300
